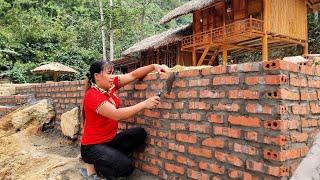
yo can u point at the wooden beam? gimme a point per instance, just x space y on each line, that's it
213 57
194 56
225 55
265 55
178 54
306 46
204 54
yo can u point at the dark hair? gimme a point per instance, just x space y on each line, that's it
96 67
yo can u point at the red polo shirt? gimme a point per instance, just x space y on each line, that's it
97 128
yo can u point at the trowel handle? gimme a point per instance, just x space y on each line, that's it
159 93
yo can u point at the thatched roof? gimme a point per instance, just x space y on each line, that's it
54 68
162 39
186 9
194 5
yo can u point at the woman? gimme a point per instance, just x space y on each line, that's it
103 150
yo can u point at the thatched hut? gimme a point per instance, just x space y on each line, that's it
232 27
163 48
55 69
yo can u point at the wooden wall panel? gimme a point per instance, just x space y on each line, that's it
287 17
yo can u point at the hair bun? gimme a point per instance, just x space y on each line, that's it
88 75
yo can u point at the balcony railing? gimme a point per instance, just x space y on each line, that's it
221 33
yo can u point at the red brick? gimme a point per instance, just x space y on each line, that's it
298 81
283 94
309 96
140 86
210 94
254 166
201 128
278 171
187 94
236 174
243 94
167 155
244 121
280 65
186 138
167 115
150 150
192 116
180 83
211 167
199 105
228 158
200 152
276 79
215 118
226 107
246 149
280 140
189 73
225 131
214 142
186 161
176 147
253 80
199 82
315 108
313 83
214 70
298 137
281 124
258 108
300 109
164 105
178 105
225 80
150 113
197 175
251 135
156 86
174 168
166 134
309 123
305 69
150 169
177 126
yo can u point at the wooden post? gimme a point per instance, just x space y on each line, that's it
204 54
306 46
194 56
55 76
225 55
265 55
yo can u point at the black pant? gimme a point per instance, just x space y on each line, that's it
112 158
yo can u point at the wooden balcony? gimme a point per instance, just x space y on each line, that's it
238 31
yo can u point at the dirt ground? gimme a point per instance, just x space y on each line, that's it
43 155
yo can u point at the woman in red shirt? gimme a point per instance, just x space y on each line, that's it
106 152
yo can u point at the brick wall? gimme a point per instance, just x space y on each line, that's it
251 121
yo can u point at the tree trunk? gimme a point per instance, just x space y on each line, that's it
103 33
111 34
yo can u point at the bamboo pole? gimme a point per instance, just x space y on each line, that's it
103 33
265 55
225 55
111 34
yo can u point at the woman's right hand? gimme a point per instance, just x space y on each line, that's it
152 102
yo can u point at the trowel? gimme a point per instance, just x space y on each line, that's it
168 85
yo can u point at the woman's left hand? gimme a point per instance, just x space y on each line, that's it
160 68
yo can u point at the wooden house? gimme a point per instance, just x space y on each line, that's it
233 27
163 48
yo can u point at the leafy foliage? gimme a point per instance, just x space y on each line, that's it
34 32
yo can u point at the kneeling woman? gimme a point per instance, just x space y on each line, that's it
106 152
